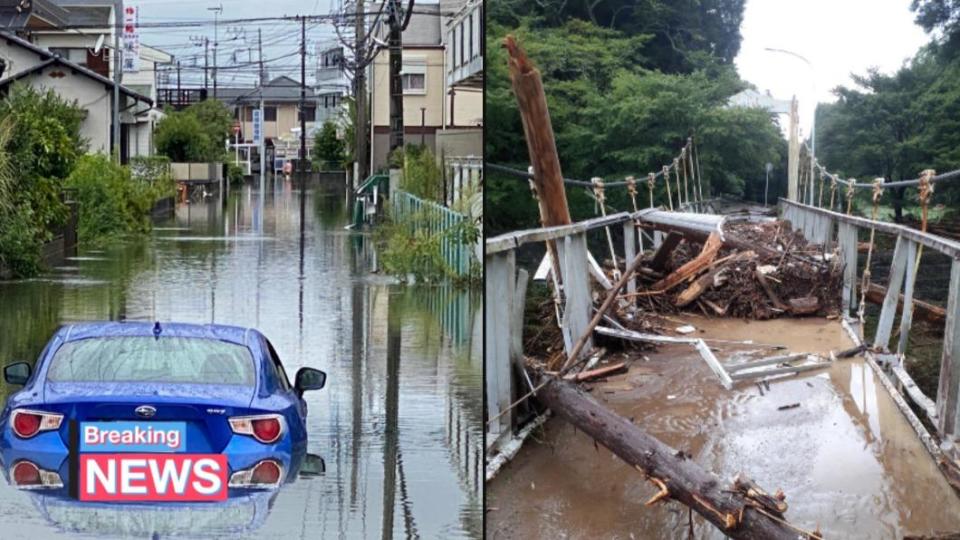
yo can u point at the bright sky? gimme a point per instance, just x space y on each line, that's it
837 36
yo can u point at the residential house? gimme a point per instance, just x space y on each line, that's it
29 64
430 111
81 32
281 123
332 83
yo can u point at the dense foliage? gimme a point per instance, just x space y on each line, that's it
626 87
41 144
896 125
112 203
194 134
328 149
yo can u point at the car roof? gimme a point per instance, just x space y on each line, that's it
222 332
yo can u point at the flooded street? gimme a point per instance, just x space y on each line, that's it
398 424
844 455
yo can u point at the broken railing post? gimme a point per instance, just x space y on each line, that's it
948 389
737 512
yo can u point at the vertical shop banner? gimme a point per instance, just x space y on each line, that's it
131 39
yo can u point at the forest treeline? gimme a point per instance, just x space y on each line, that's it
628 81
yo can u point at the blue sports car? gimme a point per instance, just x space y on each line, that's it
171 390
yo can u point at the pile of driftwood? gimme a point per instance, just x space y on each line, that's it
751 270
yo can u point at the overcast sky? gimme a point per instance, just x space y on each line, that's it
837 36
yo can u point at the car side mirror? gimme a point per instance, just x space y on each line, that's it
309 379
17 373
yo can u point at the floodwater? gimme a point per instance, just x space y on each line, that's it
398 424
845 457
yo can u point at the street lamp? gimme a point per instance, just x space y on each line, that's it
813 126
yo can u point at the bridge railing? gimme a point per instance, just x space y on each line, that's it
435 219
943 411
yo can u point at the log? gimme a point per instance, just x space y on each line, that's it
704 282
804 306
692 267
678 477
769 290
596 373
921 310
663 253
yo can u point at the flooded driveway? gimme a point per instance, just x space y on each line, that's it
398 424
845 456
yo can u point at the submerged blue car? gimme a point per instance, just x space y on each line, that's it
168 388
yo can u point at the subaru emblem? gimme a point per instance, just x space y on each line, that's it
146 411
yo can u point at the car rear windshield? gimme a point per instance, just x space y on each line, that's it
148 359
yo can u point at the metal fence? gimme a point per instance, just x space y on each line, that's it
435 219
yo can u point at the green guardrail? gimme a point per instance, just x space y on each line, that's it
435 219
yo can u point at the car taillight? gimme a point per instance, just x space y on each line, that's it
266 428
27 423
27 475
265 474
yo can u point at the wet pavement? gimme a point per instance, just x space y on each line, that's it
398 424
845 457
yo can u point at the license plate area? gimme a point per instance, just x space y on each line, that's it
153 477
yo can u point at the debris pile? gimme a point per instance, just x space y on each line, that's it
756 271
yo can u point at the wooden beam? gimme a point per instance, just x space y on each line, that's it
847 236
905 300
948 389
663 252
630 250
676 476
889 309
541 146
500 283
924 311
576 291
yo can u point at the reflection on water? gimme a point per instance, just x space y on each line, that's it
399 421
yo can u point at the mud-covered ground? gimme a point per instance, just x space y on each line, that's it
845 457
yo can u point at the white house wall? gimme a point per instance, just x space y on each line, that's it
88 94
17 58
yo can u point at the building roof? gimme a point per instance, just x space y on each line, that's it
14 16
87 15
48 59
282 88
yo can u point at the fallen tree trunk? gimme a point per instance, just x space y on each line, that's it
921 310
735 513
693 267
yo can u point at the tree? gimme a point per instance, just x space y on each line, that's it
196 133
328 148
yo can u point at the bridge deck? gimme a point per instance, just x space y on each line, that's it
846 457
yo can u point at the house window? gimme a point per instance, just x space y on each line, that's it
309 113
77 56
269 114
462 56
414 76
470 36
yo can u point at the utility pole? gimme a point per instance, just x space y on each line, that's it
793 152
179 93
302 161
206 62
263 144
117 27
216 19
360 95
395 44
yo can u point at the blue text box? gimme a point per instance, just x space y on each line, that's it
133 437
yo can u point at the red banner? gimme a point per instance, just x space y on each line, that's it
153 477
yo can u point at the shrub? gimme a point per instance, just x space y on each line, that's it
328 149
112 203
421 175
234 173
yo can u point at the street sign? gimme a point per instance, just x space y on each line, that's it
257 126
130 57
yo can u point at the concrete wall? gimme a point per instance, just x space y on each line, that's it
459 143
431 98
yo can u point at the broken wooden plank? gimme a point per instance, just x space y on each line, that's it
910 387
576 289
596 373
692 267
714 364
677 477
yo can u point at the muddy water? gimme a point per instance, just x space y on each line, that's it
845 457
398 424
